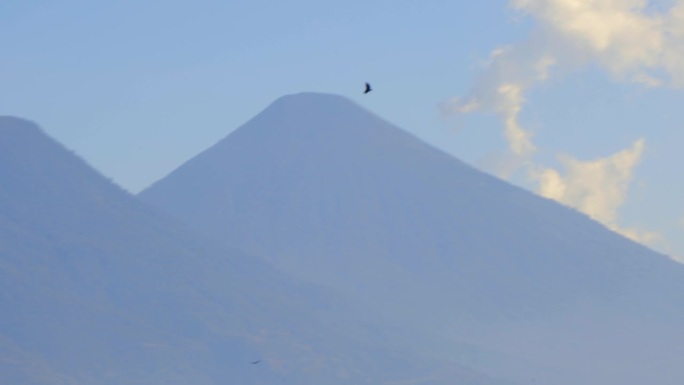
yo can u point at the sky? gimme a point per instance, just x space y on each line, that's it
578 101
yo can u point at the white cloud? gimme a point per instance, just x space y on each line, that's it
627 39
624 37
501 91
510 103
645 237
597 187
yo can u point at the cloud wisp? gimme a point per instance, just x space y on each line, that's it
628 40
596 187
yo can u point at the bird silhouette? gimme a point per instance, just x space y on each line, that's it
255 362
368 89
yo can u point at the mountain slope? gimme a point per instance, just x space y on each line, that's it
98 288
335 195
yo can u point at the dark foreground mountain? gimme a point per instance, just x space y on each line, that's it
97 288
335 195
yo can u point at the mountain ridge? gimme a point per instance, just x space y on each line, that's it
334 195
103 289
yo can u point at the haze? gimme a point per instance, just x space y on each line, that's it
208 181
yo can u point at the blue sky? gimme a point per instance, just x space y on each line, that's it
138 87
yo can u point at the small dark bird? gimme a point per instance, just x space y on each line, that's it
368 89
255 362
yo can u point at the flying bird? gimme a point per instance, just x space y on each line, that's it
255 362
368 89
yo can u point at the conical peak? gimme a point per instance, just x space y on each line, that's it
29 157
309 114
311 99
315 108
320 126
7 121
12 127
21 138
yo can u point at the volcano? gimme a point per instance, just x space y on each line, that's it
97 287
335 195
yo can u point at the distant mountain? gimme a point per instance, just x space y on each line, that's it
98 288
333 194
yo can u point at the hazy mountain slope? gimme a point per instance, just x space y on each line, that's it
97 288
334 194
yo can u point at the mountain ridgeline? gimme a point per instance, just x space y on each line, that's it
97 287
317 243
473 268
